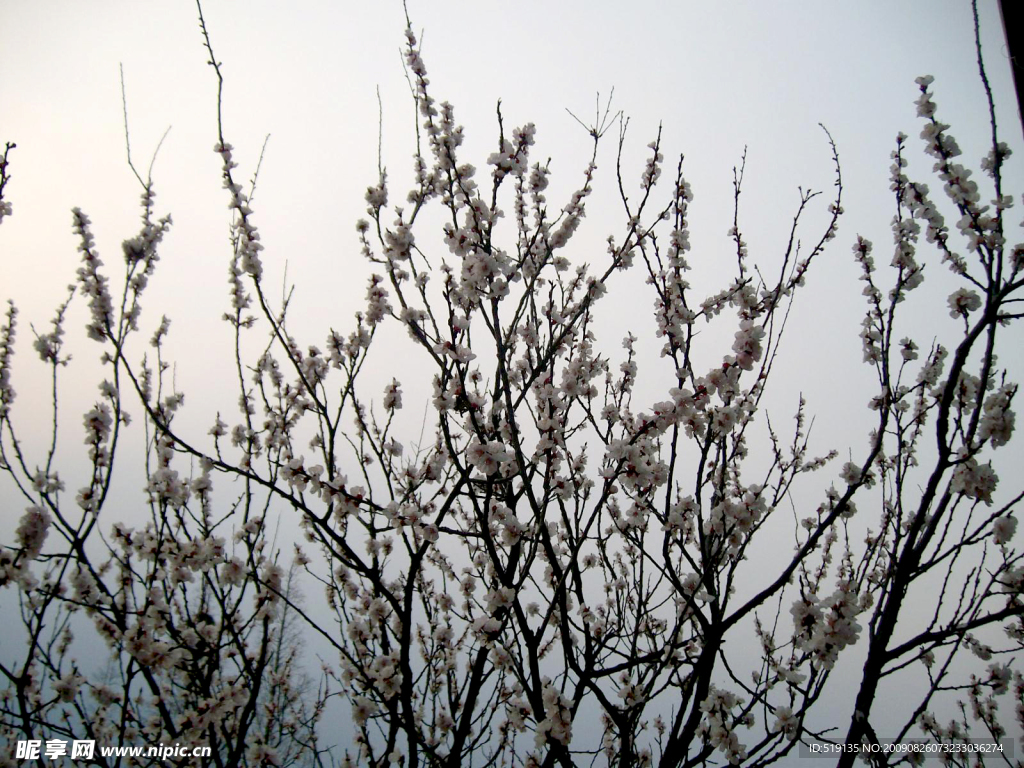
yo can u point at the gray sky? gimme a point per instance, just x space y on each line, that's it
717 76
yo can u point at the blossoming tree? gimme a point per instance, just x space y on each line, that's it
553 570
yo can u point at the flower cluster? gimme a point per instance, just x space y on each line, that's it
7 392
824 628
998 419
557 723
786 723
962 301
6 209
32 530
719 724
245 235
490 457
98 423
974 480
393 396
92 282
1003 529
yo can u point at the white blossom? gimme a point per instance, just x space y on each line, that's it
962 301
1003 529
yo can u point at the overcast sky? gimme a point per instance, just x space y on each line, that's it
717 76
